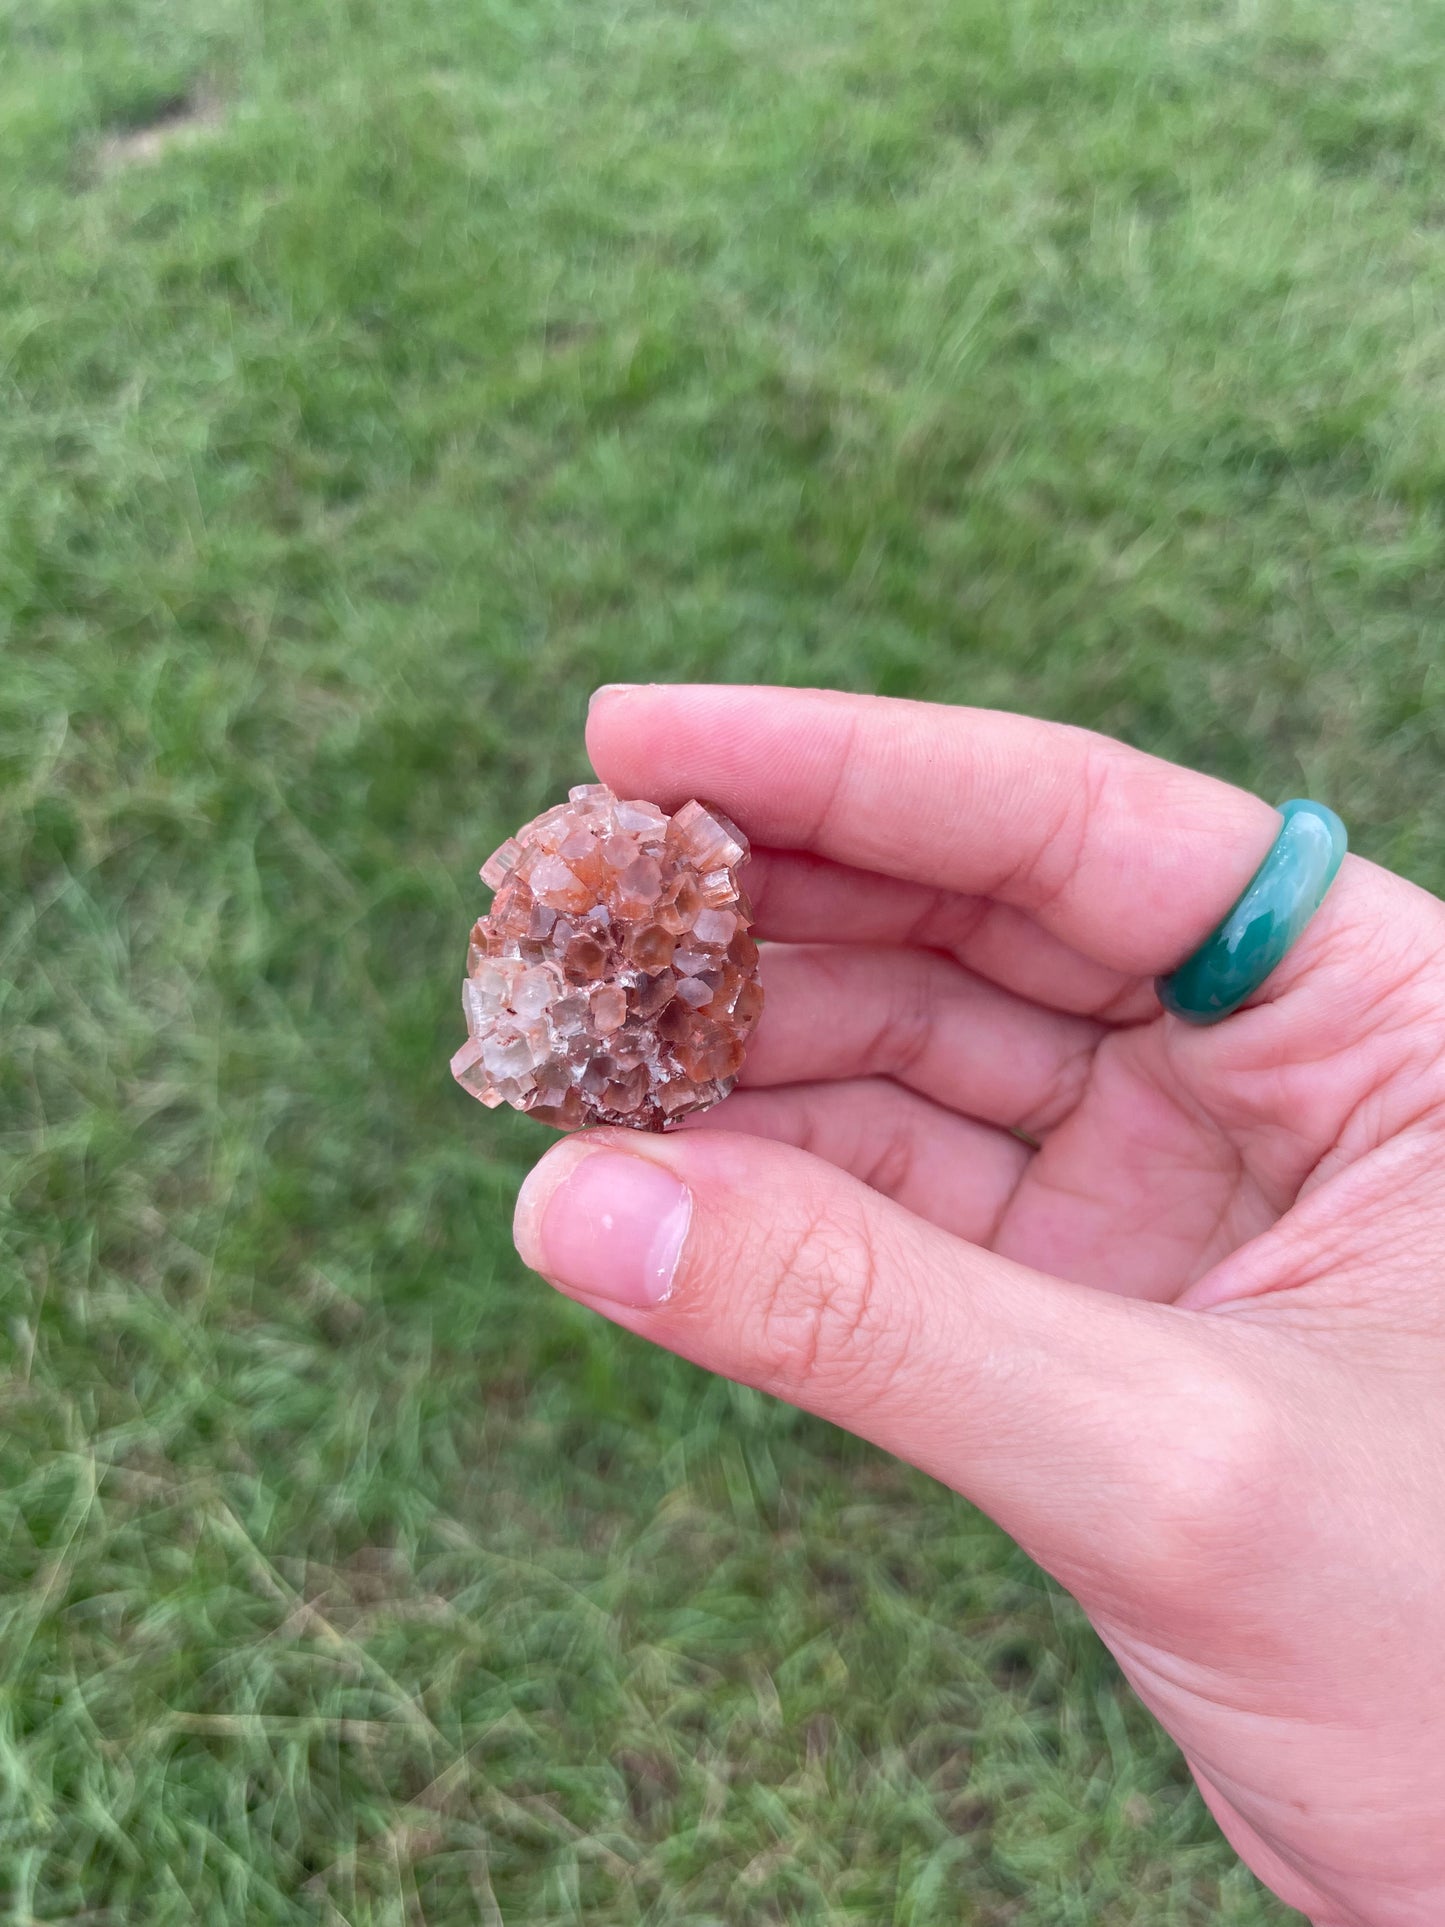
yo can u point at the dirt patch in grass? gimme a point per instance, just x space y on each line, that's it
179 123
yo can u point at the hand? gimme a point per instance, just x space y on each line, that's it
1168 1303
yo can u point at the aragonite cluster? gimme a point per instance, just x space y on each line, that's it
613 980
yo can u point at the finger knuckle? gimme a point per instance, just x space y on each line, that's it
904 1028
1064 1089
1047 868
826 1333
892 1169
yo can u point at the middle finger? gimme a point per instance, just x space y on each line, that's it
854 1010
802 898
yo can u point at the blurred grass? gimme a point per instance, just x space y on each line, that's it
376 379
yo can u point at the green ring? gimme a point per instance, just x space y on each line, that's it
1284 893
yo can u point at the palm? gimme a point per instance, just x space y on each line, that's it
1160 1170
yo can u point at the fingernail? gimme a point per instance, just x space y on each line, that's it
611 689
611 1226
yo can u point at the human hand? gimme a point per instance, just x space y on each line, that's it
1187 1343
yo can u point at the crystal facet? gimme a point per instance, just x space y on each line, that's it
613 980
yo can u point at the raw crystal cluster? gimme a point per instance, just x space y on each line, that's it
613 980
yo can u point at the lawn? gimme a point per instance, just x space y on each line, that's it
376 376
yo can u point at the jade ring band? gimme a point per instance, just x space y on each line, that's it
1284 893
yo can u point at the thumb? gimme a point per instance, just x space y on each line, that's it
1115 1439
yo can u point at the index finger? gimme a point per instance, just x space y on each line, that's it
1129 859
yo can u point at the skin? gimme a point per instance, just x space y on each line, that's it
1185 1337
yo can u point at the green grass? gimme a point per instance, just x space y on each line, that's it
1082 356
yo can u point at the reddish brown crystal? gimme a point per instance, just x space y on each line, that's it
613 980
